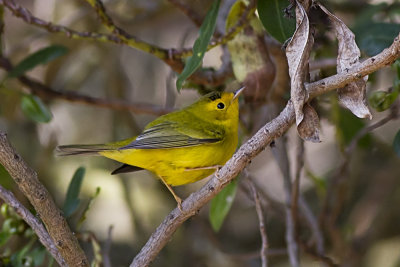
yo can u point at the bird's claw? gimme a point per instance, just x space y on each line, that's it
179 201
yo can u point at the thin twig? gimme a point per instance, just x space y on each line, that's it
131 41
392 115
34 223
169 56
252 148
296 183
29 184
272 205
260 215
312 224
47 92
107 248
279 151
188 11
333 202
215 241
320 257
238 27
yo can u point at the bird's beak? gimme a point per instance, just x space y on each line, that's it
238 92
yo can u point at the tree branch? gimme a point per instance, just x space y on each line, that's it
34 223
279 150
296 184
47 92
171 56
260 215
29 184
252 148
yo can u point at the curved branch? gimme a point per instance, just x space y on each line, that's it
252 148
27 180
34 223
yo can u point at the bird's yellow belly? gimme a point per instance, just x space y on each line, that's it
177 166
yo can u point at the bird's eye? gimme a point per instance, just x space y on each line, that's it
221 105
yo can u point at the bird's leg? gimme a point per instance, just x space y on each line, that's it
215 167
178 199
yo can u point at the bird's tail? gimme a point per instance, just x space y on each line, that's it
70 150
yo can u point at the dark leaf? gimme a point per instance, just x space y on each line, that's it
42 56
373 37
200 45
381 100
347 126
71 200
35 109
272 16
4 237
38 255
5 179
396 143
221 204
309 127
18 259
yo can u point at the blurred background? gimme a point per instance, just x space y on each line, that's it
354 198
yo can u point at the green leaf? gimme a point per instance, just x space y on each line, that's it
4 237
83 217
71 200
373 37
18 259
38 255
381 101
396 143
221 204
35 109
200 45
42 56
396 66
272 16
5 179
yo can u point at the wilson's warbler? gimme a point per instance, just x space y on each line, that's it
180 147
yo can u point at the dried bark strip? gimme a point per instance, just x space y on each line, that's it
298 53
34 223
353 95
27 180
308 129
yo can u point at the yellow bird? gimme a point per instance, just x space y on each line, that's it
180 147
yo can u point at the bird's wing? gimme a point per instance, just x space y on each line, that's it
171 134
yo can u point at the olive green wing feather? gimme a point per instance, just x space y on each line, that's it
171 134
